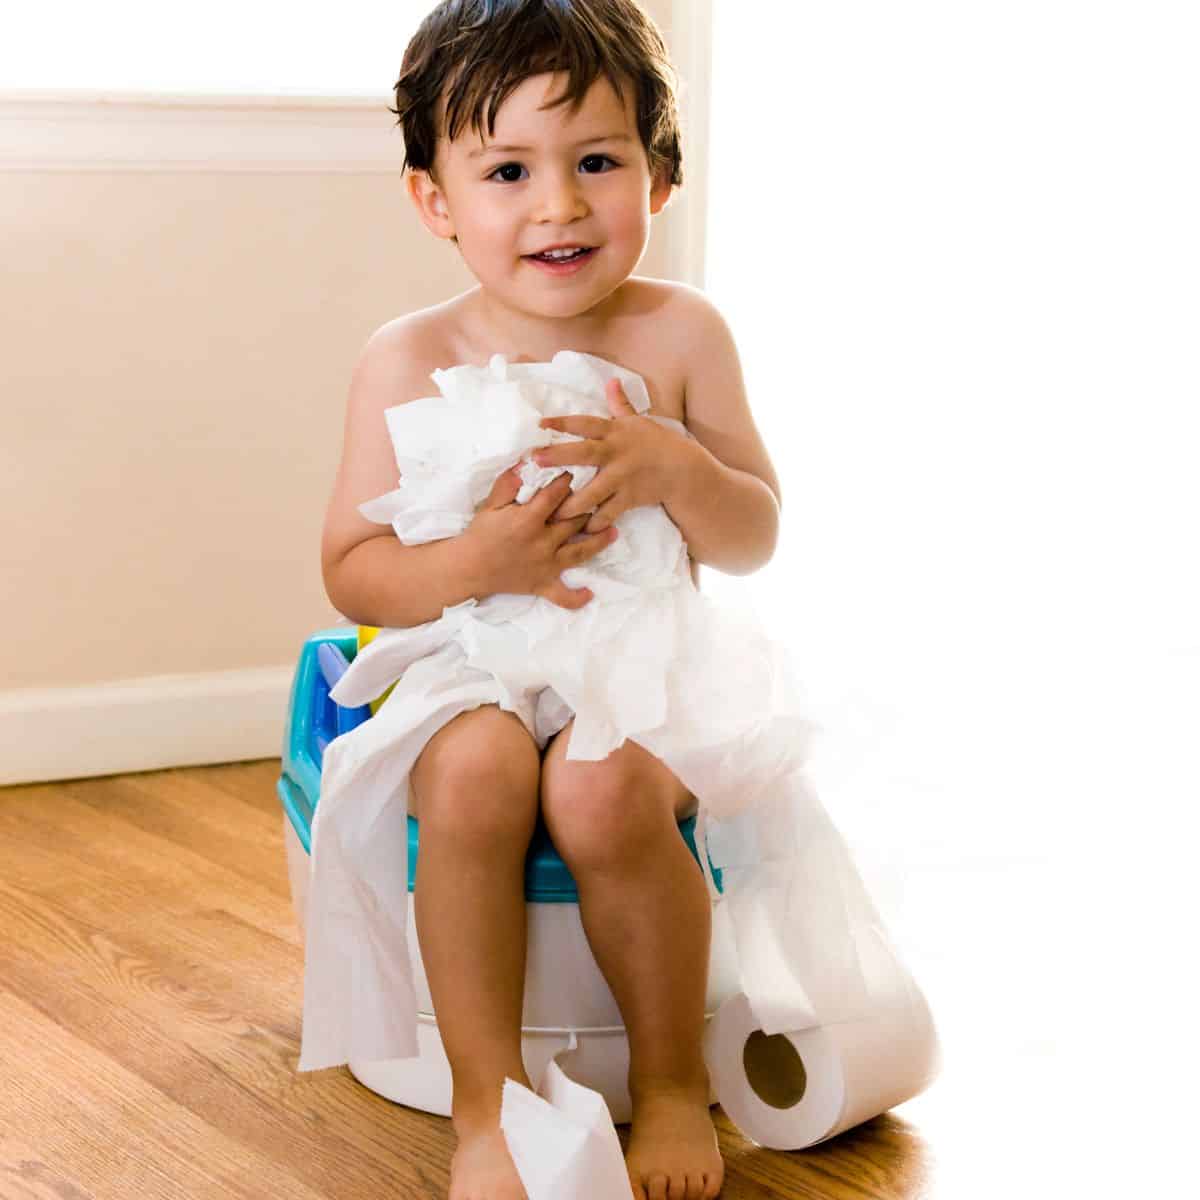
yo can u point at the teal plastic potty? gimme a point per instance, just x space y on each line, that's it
567 1004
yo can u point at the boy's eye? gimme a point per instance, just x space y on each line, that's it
507 167
598 158
515 166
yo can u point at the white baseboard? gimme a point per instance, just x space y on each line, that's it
142 724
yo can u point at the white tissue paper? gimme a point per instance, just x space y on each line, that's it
650 658
562 1139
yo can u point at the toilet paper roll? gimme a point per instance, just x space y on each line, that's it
791 1090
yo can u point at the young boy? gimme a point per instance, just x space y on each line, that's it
579 149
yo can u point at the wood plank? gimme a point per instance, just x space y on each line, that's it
250 783
25 1175
93 840
197 817
118 1130
191 1052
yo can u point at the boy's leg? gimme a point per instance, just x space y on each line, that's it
648 918
475 788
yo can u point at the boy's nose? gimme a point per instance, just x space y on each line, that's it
561 200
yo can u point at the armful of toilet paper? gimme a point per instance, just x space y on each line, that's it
451 449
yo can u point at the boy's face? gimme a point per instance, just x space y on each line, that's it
576 184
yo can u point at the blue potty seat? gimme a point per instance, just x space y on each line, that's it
314 720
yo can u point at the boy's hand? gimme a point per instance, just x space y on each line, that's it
518 549
639 461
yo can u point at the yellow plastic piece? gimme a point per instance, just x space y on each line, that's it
365 634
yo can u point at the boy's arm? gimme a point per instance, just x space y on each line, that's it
370 576
726 501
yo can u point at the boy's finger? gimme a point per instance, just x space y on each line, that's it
573 527
512 475
506 486
588 499
552 494
566 597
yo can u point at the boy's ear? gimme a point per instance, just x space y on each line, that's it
660 193
430 202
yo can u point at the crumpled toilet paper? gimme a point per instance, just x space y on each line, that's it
562 1139
649 658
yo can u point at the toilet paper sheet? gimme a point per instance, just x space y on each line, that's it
562 1139
650 658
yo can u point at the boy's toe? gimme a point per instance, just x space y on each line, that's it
695 1186
656 1187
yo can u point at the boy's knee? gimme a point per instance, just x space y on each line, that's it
599 817
480 780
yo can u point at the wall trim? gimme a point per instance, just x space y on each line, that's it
161 131
142 724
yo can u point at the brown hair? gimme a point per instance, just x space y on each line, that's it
472 53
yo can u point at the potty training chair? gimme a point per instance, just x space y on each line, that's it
568 1005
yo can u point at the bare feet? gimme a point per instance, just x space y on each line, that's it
483 1169
672 1153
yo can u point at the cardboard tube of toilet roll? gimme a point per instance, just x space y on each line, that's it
791 1090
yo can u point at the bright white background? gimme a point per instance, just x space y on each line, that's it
959 248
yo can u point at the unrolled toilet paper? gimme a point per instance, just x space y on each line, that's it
791 1090
562 1140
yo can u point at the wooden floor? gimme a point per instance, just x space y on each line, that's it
150 1000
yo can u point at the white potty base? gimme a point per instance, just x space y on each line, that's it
600 1061
565 994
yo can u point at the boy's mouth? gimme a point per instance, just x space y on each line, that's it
560 264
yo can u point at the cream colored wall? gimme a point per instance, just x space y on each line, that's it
179 349
176 351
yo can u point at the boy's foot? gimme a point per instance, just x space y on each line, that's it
482 1168
672 1152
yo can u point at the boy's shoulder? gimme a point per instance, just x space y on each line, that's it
418 338
665 297
693 317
